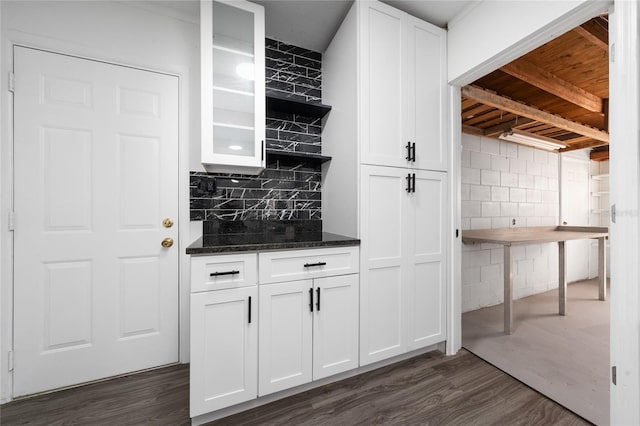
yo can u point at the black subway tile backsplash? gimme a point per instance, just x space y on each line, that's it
288 189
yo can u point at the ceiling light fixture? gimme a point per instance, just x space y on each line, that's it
245 70
531 139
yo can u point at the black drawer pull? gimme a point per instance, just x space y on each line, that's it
311 299
217 274
309 265
249 309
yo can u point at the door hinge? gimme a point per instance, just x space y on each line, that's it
613 213
612 52
12 82
613 375
12 221
10 360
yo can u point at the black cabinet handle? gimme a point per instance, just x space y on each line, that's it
311 299
262 152
249 309
411 182
217 274
309 265
413 152
408 157
318 296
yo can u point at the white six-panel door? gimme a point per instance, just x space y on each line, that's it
95 293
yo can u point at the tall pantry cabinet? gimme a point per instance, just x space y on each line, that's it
384 73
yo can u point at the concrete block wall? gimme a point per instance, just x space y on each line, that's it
507 185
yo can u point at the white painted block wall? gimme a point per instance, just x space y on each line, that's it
503 182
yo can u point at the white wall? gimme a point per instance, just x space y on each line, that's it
488 29
502 182
130 33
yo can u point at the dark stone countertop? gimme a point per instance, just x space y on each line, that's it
234 242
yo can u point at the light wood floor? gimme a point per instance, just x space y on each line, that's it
565 358
429 390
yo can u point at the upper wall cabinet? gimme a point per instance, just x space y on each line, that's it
403 89
232 92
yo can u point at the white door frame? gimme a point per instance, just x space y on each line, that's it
579 15
624 231
7 190
624 33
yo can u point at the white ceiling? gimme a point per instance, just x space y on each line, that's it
312 23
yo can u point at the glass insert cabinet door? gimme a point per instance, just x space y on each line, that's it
233 98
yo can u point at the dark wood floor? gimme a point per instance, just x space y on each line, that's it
427 390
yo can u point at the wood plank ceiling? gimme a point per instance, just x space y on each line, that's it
559 91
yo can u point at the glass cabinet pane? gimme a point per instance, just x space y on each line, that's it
233 81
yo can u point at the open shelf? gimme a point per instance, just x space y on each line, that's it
309 109
600 176
312 158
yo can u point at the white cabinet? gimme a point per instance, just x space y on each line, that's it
335 325
250 340
384 75
224 331
402 305
222 272
285 335
224 349
278 266
426 230
403 89
232 86
308 328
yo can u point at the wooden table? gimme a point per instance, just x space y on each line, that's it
509 237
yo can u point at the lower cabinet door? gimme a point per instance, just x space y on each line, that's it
335 326
285 335
224 349
383 263
427 219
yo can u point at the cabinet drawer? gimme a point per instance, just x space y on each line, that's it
294 265
223 271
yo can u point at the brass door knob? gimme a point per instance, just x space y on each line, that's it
167 223
167 242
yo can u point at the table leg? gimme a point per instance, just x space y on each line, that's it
562 279
508 291
602 268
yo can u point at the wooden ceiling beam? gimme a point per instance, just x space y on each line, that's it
596 33
582 145
514 107
470 130
599 155
543 79
499 128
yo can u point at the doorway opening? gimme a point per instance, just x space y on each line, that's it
535 155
